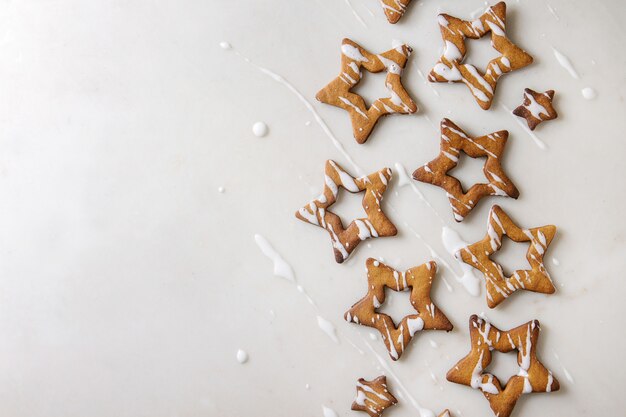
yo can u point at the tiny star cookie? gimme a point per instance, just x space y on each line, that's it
376 224
450 67
453 141
337 92
394 9
373 397
418 281
532 375
498 286
536 108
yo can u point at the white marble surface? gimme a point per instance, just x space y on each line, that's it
128 281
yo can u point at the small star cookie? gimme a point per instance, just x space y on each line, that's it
418 281
450 67
453 141
376 224
373 397
536 108
532 375
394 9
337 92
498 286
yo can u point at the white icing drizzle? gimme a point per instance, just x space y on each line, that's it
328 328
225 45
453 244
279 79
519 121
259 129
328 412
588 93
242 356
565 371
565 63
281 267
534 107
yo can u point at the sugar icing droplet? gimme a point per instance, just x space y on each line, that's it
242 356
221 190
260 129
329 412
556 262
225 45
433 344
589 93
307 387
328 328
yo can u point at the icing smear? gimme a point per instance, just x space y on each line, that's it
453 243
329 412
565 63
328 328
281 267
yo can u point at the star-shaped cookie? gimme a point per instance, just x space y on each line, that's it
450 67
498 286
394 9
453 141
373 397
536 108
376 224
418 281
337 92
532 375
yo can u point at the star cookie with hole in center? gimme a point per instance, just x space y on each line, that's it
373 396
498 286
418 281
453 141
532 376
337 92
394 9
376 224
450 67
536 108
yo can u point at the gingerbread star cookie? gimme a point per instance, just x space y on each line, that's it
376 224
453 141
498 286
536 108
394 9
337 92
418 281
373 397
532 375
450 67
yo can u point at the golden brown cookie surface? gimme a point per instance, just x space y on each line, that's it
373 396
498 286
450 67
337 92
532 375
536 108
394 9
418 281
453 141
376 224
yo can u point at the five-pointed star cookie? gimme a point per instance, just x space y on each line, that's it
373 397
536 108
418 280
453 141
337 92
498 286
394 9
376 224
450 67
532 375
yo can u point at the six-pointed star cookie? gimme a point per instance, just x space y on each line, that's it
498 286
536 108
373 397
394 9
532 375
453 141
337 92
418 280
376 224
450 67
